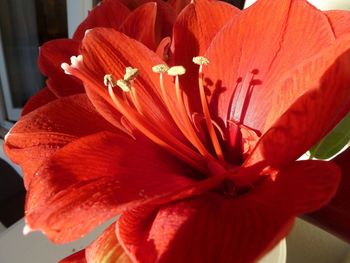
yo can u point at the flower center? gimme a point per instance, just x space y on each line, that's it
199 146
196 154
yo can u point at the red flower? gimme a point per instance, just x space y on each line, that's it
149 22
201 168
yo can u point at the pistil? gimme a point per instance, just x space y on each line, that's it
161 69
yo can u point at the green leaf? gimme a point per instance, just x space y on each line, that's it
334 141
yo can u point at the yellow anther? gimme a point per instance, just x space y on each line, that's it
176 71
124 85
161 68
200 60
130 73
108 80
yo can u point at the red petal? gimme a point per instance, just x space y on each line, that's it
132 5
248 57
64 85
216 228
43 97
335 216
52 55
106 248
314 112
78 257
110 52
194 30
165 18
197 25
93 179
178 5
340 21
109 13
140 25
39 134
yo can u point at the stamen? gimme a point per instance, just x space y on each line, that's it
185 153
176 71
134 98
124 85
108 79
206 112
200 60
161 68
191 134
196 119
217 126
200 117
129 77
131 73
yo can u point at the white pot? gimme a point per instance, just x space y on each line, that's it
276 255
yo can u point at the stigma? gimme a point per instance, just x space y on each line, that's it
75 62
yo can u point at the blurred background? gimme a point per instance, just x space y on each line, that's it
24 26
